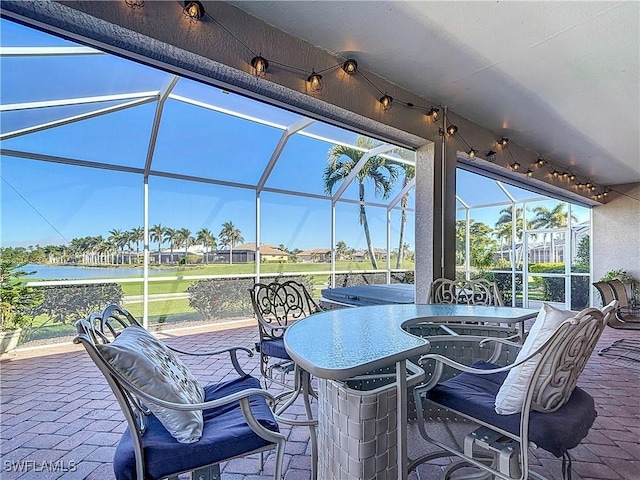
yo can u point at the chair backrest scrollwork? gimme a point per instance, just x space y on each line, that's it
469 292
280 304
565 356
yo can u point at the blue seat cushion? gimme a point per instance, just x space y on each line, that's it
556 432
274 348
225 435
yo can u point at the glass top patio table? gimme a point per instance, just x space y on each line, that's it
340 344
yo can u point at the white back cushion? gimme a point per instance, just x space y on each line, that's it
152 367
512 392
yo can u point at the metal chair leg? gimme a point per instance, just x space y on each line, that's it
306 392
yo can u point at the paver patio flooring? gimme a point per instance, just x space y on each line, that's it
59 414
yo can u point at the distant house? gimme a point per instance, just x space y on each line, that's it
362 255
168 256
315 255
247 253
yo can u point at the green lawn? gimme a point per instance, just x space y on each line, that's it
173 311
180 286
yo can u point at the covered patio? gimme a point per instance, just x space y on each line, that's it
66 426
59 417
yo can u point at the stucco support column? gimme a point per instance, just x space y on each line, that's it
425 182
445 199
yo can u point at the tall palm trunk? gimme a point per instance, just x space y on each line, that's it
365 224
403 222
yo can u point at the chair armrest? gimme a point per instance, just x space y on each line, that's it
242 397
441 361
231 350
480 340
269 328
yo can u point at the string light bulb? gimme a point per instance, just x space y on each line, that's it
315 82
572 177
386 101
541 162
452 129
259 65
350 66
503 142
193 10
433 113
555 174
472 153
515 166
529 173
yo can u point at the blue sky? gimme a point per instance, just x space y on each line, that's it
46 203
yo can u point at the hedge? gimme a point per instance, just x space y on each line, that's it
229 297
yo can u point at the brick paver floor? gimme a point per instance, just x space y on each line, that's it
59 419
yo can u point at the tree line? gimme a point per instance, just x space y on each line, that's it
119 246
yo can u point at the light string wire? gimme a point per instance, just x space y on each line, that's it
38 212
490 154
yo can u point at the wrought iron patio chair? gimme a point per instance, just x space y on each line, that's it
470 292
276 306
174 425
459 415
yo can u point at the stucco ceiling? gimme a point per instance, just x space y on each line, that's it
561 79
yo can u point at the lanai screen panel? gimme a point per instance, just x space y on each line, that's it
179 205
298 223
119 138
62 205
301 166
408 238
477 190
350 230
233 102
397 163
200 142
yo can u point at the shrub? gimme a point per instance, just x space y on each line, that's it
554 288
503 280
229 297
66 304
17 301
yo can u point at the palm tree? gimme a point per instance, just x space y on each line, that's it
383 173
103 249
119 239
207 240
554 218
170 235
341 250
156 234
504 229
409 174
184 239
93 243
136 235
77 247
230 236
